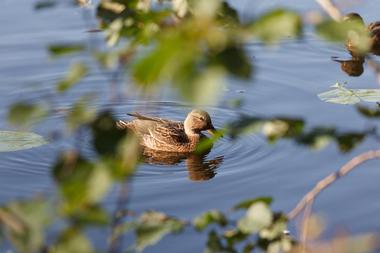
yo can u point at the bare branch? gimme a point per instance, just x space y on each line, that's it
327 181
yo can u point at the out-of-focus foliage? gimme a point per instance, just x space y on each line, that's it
294 128
58 50
23 114
353 33
192 45
76 72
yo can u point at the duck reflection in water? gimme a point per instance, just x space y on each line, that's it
198 167
169 142
354 66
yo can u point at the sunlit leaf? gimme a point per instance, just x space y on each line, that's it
277 25
247 203
13 141
25 114
153 226
180 7
258 217
353 32
210 217
76 72
58 50
343 95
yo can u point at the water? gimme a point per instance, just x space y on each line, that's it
286 82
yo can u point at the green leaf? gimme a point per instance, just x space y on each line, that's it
277 25
343 95
76 72
369 112
80 182
258 217
25 114
13 141
153 226
72 241
80 113
214 216
247 203
25 223
106 136
58 50
353 32
45 4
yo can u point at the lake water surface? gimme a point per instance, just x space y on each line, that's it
286 83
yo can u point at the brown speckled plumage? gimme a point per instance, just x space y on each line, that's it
167 135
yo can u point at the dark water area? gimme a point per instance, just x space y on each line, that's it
287 79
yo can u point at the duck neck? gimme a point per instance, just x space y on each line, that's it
192 136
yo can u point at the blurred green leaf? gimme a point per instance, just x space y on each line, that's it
369 112
247 203
13 141
45 4
76 72
277 25
25 223
258 217
153 226
276 229
72 240
80 182
353 33
215 245
90 215
235 60
24 114
282 128
58 50
210 217
342 95
80 113
106 136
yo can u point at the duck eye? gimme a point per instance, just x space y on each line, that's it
201 118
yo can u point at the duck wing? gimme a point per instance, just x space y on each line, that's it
169 133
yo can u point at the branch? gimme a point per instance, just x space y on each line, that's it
331 9
327 181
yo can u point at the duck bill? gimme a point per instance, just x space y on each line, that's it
212 130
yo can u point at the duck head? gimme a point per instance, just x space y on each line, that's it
198 121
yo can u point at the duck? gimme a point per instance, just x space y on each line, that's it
373 30
167 135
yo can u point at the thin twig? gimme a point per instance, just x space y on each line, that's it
327 181
116 236
331 9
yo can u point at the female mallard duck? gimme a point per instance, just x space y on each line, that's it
373 30
167 135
